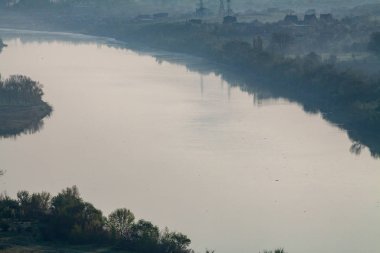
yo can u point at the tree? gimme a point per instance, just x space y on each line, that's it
35 206
281 40
145 236
74 220
172 242
374 43
257 43
120 223
18 89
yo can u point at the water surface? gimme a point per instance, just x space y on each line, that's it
188 151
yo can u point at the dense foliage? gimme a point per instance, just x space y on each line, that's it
22 109
66 217
20 90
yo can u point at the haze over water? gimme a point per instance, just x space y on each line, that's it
197 156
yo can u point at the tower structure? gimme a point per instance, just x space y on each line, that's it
201 11
229 9
229 18
222 10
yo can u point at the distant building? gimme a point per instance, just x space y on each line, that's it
143 17
310 18
291 18
229 20
202 12
195 21
328 17
310 11
161 15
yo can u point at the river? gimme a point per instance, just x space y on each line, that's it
234 172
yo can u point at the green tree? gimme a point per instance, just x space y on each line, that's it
172 242
145 236
18 89
120 223
281 40
75 220
35 206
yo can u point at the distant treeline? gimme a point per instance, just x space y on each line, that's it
67 218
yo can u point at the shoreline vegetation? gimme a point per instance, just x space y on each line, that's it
22 109
40 222
68 220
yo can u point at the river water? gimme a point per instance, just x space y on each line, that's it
187 150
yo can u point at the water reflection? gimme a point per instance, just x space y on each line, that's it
25 37
15 122
263 91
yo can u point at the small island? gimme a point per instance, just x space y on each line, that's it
2 44
21 106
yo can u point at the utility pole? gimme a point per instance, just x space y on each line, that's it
229 10
222 11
